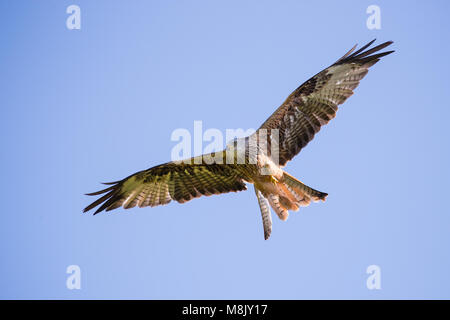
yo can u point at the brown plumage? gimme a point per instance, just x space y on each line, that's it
295 122
180 181
316 101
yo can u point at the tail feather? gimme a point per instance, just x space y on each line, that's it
265 213
301 191
277 206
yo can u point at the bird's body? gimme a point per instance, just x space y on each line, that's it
257 159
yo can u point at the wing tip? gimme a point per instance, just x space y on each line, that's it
366 56
106 200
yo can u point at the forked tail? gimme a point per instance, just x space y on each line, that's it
291 194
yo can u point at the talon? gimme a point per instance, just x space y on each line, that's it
273 180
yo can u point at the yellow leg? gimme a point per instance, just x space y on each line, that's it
273 179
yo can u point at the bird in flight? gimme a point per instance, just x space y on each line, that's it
258 158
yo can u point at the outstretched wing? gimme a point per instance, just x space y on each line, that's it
180 181
316 101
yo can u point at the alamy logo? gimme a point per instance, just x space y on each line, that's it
243 147
374 20
74 20
374 279
74 280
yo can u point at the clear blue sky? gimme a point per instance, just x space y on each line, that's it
83 106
